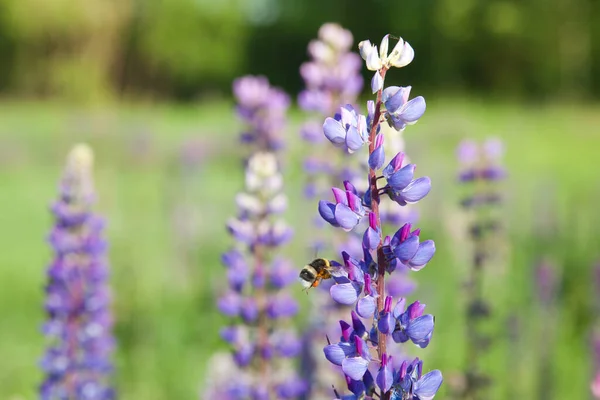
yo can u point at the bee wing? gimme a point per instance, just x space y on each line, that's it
336 269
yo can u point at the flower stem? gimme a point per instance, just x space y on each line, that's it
381 261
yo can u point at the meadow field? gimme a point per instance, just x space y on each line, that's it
166 177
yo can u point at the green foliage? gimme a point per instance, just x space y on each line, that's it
99 49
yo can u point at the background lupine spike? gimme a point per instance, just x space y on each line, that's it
77 363
480 169
260 336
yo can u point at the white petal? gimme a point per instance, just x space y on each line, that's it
373 61
406 56
365 48
383 48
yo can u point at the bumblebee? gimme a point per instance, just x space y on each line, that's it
312 274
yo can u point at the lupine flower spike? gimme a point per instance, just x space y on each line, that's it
261 340
379 321
480 170
77 364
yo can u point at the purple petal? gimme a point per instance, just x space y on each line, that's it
249 310
344 293
336 353
327 212
312 132
230 334
415 310
243 355
371 239
339 195
423 255
353 139
345 217
426 387
399 336
376 82
413 110
287 344
388 93
281 306
348 116
394 165
355 367
354 202
291 388
377 158
420 330
386 323
399 307
407 249
334 131
402 178
416 190
385 378
229 304
366 307
397 99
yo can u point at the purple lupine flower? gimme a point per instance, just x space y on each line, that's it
255 299
77 363
481 162
347 129
400 111
332 77
347 211
411 384
361 282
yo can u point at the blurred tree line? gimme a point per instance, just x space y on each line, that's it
90 50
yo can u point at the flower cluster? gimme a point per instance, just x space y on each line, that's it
332 79
362 352
261 341
480 171
77 363
263 108
481 164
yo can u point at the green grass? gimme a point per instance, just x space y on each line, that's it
164 288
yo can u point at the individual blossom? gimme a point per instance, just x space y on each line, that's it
347 129
360 281
400 111
77 363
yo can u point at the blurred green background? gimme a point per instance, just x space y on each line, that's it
147 84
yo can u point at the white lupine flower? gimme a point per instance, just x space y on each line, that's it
402 54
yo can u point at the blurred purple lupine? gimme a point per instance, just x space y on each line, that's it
332 79
263 108
480 170
262 343
77 363
360 282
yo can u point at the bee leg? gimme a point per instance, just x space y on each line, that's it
316 283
